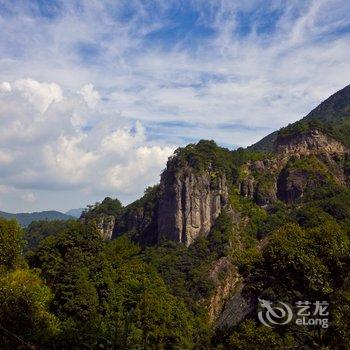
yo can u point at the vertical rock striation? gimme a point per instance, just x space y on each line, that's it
190 203
105 224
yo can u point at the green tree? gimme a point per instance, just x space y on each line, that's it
38 230
24 316
11 244
148 316
250 336
24 298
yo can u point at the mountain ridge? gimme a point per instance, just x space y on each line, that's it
25 219
196 183
333 112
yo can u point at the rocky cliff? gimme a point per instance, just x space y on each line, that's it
301 161
311 142
105 216
190 202
139 219
226 280
105 224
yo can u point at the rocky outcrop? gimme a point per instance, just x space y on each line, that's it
140 223
274 178
292 184
104 223
190 203
226 279
247 187
311 142
236 309
105 216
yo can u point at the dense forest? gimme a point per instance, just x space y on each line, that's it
282 235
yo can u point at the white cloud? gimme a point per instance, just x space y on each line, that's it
90 95
56 152
122 140
5 87
40 95
143 167
68 159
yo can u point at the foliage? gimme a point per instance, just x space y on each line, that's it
254 214
208 156
104 294
338 206
220 236
305 264
293 265
184 270
279 214
205 155
108 206
11 244
148 314
338 334
82 292
37 230
250 336
24 298
24 315
338 128
310 215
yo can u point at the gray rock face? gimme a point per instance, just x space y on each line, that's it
271 179
104 223
226 279
312 142
140 223
291 184
247 187
236 309
190 203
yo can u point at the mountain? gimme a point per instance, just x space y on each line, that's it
201 259
332 116
236 200
196 185
75 212
289 165
25 219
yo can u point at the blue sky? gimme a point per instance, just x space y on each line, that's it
95 95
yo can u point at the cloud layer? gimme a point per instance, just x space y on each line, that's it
47 143
94 96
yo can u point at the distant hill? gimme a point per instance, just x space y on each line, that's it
25 219
75 212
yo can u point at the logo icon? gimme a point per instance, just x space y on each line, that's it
274 315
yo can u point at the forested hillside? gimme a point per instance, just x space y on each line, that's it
184 266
